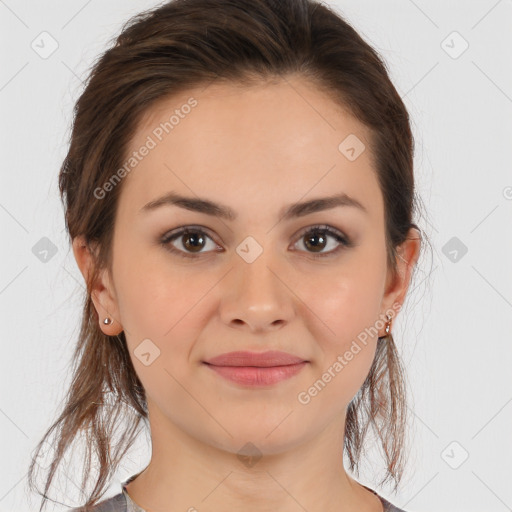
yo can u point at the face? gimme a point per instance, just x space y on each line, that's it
308 281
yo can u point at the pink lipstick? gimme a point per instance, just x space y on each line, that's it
256 368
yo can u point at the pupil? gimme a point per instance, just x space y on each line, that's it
315 236
195 240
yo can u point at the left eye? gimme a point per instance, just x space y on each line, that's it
193 240
317 236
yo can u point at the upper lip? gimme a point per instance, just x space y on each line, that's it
262 359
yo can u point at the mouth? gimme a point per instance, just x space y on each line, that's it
257 375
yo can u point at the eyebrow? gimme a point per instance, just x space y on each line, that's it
201 205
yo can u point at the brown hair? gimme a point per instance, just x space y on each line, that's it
164 51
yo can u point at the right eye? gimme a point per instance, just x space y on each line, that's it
191 239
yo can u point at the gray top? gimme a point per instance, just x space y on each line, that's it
123 503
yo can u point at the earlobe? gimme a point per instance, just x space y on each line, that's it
101 289
108 313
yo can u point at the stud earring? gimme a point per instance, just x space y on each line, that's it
107 321
388 324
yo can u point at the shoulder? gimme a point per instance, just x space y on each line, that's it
389 507
392 508
116 503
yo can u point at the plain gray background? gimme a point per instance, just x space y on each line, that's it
455 331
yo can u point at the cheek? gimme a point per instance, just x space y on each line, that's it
153 295
159 313
167 304
349 304
348 307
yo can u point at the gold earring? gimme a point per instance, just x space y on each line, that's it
388 324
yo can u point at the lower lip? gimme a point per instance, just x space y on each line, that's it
256 375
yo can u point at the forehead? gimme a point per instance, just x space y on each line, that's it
250 143
279 103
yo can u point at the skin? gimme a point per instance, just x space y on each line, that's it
254 149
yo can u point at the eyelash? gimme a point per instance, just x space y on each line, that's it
344 241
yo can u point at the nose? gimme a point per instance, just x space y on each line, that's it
256 297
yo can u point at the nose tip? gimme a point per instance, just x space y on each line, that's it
256 298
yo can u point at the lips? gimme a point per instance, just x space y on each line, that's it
256 369
260 359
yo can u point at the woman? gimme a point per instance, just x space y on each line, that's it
239 194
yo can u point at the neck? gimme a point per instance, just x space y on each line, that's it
187 474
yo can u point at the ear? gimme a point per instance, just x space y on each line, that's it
397 286
102 290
